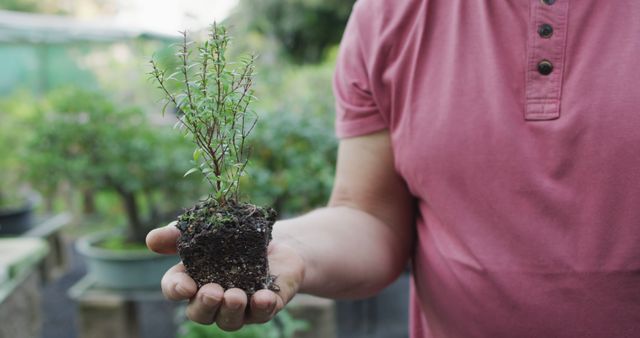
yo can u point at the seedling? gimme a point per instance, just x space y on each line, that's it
223 239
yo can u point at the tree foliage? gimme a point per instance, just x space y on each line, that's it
306 29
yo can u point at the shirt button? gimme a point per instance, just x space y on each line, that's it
548 2
545 30
545 67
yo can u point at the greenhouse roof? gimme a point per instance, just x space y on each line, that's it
39 28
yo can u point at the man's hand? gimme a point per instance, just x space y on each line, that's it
353 248
229 309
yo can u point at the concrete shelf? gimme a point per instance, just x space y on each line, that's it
20 297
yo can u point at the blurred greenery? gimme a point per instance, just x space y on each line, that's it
37 6
282 326
305 29
40 67
15 112
294 148
118 244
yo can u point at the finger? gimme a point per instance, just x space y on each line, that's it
263 306
163 240
177 285
204 306
232 312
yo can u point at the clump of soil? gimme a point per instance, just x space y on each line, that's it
227 245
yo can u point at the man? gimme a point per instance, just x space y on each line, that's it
495 145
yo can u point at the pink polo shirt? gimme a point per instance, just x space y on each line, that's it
516 125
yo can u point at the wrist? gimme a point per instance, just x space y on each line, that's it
284 240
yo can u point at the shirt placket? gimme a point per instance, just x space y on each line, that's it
547 35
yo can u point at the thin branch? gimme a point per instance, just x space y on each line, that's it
215 109
185 69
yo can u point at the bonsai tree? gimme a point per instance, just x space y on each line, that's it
85 141
223 239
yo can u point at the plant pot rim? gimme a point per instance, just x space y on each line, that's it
86 246
29 202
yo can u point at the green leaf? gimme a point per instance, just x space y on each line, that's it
191 171
196 154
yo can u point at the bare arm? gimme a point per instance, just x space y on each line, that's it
362 240
352 248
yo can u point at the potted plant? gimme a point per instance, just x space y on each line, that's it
17 201
90 144
223 239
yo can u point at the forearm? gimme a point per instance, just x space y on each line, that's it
348 253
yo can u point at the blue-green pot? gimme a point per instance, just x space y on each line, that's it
123 269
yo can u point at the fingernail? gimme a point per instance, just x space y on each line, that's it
263 307
271 307
234 306
210 300
181 290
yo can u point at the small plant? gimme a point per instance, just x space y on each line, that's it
213 101
222 239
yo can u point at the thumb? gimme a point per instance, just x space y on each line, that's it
163 240
288 267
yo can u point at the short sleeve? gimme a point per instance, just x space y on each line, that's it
357 112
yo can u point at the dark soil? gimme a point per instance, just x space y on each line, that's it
227 245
